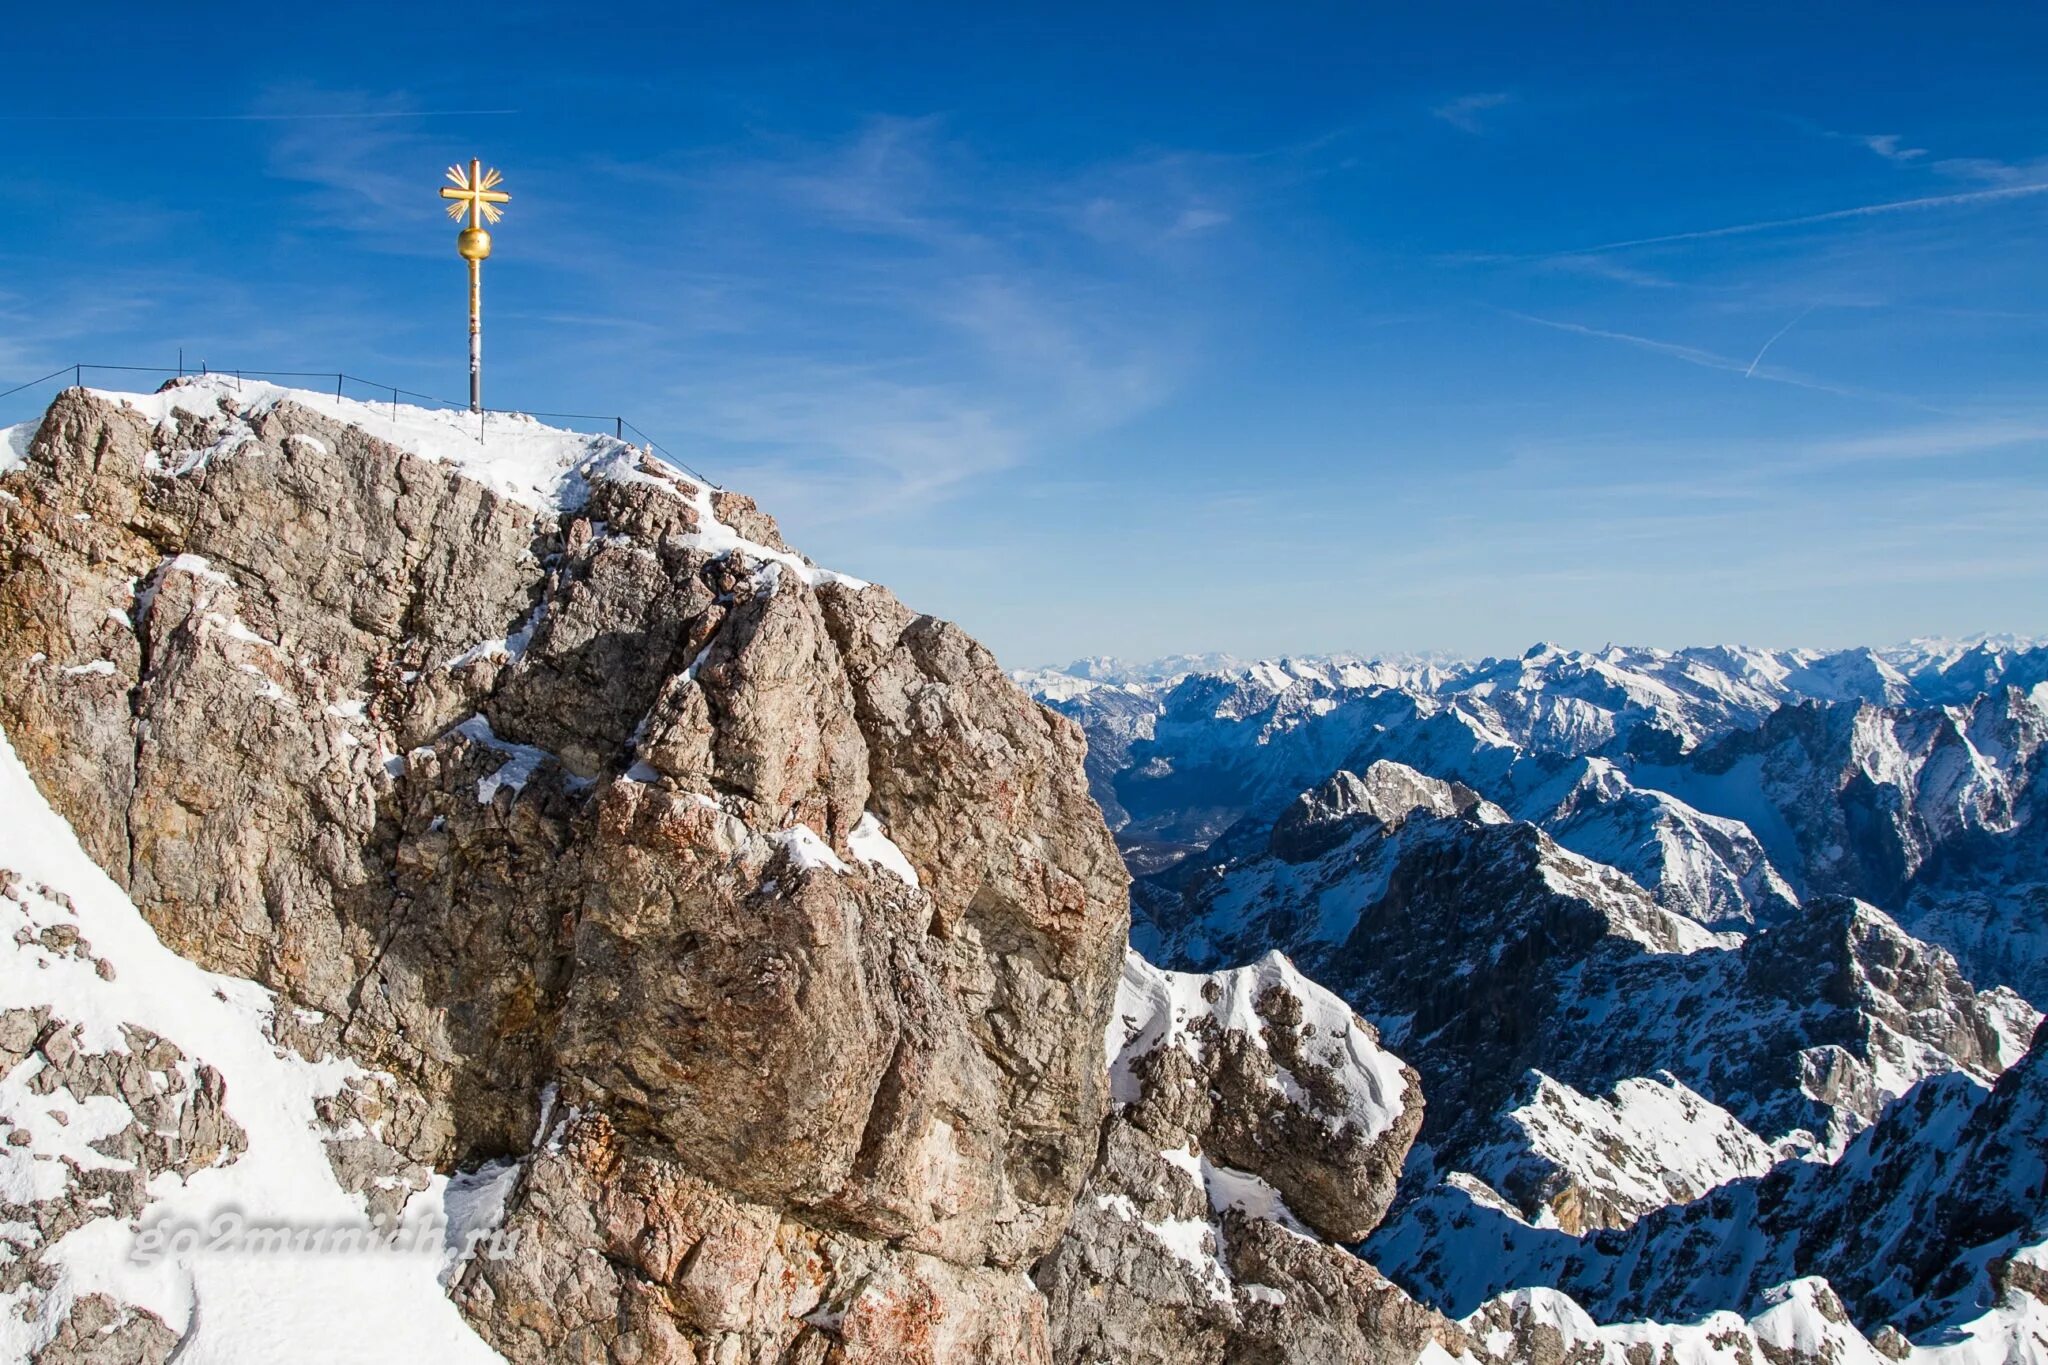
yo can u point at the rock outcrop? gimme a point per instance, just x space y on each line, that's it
599 792
1256 1117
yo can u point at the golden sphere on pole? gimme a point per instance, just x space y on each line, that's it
474 244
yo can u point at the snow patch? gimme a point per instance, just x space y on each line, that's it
1157 1008
871 845
522 760
808 851
14 443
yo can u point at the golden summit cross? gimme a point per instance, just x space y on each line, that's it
476 195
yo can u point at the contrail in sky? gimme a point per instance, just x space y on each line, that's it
1932 201
1751 371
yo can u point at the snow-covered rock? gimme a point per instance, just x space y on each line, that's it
142 1096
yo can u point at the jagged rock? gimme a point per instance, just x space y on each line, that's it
152 1114
592 788
99 1331
1326 816
1728 782
625 1256
1254 1113
1932 1216
1559 1015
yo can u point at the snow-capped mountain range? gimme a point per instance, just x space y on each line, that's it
1655 928
1728 782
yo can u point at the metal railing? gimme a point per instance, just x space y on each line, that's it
621 429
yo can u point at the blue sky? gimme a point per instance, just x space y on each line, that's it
1147 328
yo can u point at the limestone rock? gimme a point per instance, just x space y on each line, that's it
785 883
1256 1116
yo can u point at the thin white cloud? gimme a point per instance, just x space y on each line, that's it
1935 441
1198 220
906 319
1463 112
1601 267
1932 201
1891 147
1992 171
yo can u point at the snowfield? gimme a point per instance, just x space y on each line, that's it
247 1309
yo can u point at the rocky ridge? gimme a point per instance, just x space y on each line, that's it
1727 782
1575 1037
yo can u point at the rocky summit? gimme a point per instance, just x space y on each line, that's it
505 849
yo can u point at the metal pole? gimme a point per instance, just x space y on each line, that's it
476 302
476 336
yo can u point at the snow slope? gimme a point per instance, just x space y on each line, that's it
67 919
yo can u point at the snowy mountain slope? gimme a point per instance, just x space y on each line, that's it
1934 1216
1489 955
1951 672
140 1091
1859 796
1934 812
1183 1255
1706 867
1550 700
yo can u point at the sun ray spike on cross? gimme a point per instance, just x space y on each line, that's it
475 195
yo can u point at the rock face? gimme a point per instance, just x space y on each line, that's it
1255 1111
788 894
1323 817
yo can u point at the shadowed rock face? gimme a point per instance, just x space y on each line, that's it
595 799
